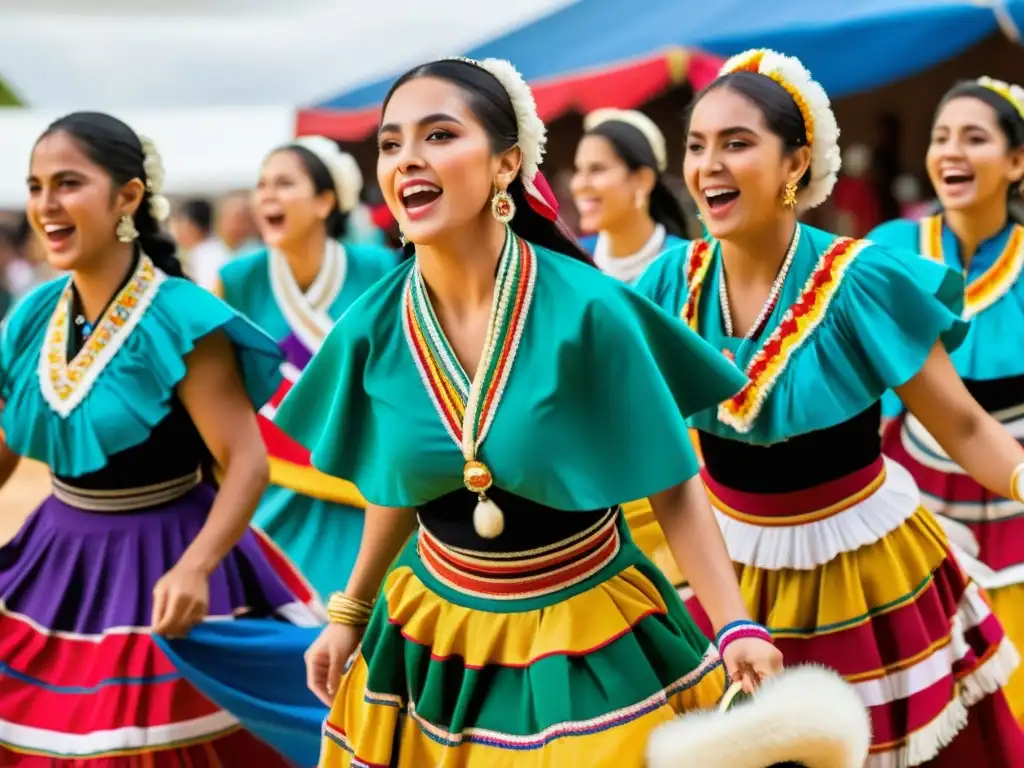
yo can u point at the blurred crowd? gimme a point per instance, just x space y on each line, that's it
873 188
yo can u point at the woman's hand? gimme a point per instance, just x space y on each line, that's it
326 657
749 660
181 599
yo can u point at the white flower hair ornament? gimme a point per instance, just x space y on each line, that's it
344 170
153 165
814 105
638 120
1012 93
530 129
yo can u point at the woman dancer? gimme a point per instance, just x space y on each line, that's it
619 192
122 377
520 623
618 189
832 550
976 163
295 289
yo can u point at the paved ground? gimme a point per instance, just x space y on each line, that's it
26 488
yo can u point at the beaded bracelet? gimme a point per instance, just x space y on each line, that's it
342 609
738 630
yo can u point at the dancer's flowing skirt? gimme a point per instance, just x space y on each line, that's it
81 677
986 531
567 657
855 575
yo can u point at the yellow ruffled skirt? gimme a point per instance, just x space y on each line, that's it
572 673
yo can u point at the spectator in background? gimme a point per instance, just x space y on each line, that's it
855 198
21 271
236 225
202 254
907 191
886 164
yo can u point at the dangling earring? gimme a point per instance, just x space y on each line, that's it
503 206
401 236
789 195
126 231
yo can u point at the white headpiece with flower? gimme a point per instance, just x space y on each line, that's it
1012 93
344 170
532 133
153 165
814 105
638 120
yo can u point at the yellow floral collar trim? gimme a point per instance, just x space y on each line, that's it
995 282
798 323
64 385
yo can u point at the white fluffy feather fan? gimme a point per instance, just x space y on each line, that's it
807 716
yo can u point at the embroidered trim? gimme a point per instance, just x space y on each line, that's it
994 283
307 313
698 259
519 576
442 375
65 385
798 323
126 499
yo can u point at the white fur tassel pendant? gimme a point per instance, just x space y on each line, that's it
488 519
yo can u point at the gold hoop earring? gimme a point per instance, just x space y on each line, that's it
789 195
503 207
126 230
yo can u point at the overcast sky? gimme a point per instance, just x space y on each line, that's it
110 54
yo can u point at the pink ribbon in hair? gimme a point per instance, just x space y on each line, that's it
540 197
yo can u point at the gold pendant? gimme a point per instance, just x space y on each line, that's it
477 477
488 520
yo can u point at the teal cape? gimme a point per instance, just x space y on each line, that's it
126 398
320 535
990 349
592 414
876 323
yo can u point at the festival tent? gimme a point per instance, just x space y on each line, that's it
623 53
624 84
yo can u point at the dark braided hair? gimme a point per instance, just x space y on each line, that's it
117 149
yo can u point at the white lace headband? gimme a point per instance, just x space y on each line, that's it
638 120
814 105
344 170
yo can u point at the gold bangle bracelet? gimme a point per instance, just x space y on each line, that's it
1014 493
351 611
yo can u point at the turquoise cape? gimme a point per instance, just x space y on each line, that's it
879 321
592 414
320 535
991 347
126 398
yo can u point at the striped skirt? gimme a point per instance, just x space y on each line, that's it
566 656
855 575
986 531
82 679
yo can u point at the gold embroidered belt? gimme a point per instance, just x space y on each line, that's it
521 575
126 499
